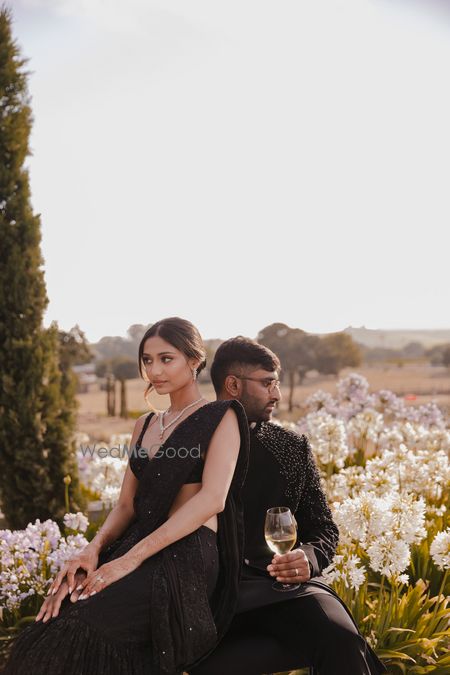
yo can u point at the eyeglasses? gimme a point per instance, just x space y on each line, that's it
269 384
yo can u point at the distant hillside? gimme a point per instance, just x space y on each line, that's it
397 339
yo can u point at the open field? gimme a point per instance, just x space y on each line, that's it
424 382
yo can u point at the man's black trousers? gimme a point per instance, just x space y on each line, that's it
315 630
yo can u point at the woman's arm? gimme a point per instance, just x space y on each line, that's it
118 519
220 463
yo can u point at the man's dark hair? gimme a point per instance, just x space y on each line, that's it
239 352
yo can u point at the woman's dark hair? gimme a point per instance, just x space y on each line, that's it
182 335
240 352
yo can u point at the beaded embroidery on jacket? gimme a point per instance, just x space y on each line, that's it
297 465
290 450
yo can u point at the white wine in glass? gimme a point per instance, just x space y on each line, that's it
280 531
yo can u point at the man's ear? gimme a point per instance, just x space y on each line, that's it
232 386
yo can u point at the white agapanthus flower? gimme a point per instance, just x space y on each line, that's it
67 549
103 469
425 473
345 568
438 439
120 440
30 557
328 439
436 511
354 387
391 437
407 517
377 479
321 400
383 526
346 483
362 519
366 425
110 494
389 556
440 549
76 521
373 422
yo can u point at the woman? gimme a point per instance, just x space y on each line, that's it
156 588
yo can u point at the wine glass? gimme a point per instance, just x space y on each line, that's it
280 531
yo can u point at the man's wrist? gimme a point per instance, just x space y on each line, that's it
308 550
311 566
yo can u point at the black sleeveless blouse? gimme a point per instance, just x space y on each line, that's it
139 457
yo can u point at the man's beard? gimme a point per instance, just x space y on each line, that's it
257 413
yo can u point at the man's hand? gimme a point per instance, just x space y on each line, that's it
52 603
292 567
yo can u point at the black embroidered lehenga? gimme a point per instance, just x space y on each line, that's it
170 612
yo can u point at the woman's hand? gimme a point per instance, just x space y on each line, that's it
86 560
51 605
106 575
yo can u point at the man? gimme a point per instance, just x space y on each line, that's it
275 631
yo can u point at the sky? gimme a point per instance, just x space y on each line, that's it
239 163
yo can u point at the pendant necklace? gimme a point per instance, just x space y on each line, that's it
163 428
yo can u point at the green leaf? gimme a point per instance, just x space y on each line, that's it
394 654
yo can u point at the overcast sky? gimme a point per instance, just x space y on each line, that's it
238 163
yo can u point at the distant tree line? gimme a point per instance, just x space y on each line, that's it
301 352
439 355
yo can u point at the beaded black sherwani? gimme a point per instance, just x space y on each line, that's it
282 472
282 467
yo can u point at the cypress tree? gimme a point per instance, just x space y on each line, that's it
36 401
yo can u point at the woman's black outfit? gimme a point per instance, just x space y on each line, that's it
171 611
